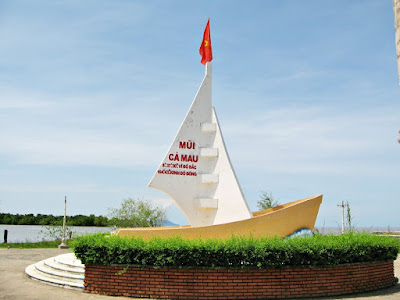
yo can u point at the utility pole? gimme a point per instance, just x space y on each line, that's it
63 245
342 206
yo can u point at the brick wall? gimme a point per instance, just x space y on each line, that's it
238 284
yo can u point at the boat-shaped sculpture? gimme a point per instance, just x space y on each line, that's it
197 173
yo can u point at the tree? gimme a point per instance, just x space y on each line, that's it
266 201
55 232
136 213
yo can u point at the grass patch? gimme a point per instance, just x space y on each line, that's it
237 252
44 244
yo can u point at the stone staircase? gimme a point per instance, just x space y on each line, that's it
64 270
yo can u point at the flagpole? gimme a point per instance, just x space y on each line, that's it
63 245
209 68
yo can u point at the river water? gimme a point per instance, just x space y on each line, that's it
338 230
36 233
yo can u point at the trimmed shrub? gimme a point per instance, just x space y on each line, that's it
236 252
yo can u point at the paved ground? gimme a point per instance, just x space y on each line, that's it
15 285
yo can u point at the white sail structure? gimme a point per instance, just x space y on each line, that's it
196 171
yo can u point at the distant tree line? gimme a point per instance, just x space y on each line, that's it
132 213
40 219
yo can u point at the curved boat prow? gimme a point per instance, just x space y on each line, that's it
278 221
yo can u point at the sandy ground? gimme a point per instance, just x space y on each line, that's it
15 285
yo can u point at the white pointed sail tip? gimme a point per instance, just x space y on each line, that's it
209 68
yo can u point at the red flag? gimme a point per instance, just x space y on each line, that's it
205 47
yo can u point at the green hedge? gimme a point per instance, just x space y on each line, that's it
244 253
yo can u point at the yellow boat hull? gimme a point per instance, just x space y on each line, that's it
280 221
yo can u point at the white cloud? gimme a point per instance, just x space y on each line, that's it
51 188
312 140
36 129
164 203
54 147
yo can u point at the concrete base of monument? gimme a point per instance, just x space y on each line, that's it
282 221
202 283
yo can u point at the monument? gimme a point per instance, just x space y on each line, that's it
196 171
197 174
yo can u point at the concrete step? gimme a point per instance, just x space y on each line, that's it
70 260
56 265
63 270
57 273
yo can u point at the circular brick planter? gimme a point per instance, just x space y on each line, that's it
168 283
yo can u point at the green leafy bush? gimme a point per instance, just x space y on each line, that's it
237 252
137 213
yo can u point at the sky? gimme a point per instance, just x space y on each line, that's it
92 94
